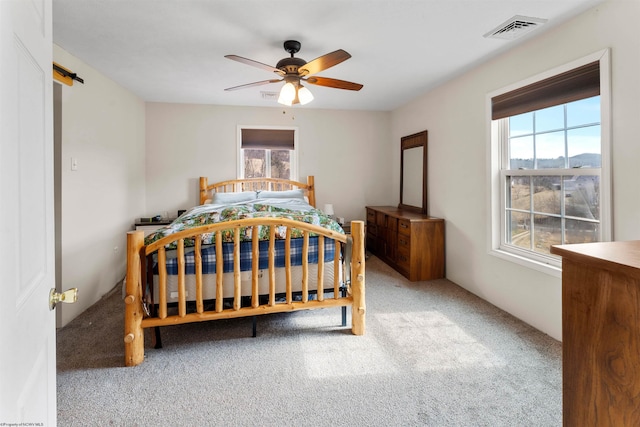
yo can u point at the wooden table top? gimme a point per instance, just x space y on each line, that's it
618 256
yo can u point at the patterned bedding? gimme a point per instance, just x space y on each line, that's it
295 209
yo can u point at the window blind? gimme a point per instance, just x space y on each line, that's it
579 83
274 139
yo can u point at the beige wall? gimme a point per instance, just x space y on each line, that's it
347 152
103 128
456 118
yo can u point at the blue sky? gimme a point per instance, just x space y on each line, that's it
583 136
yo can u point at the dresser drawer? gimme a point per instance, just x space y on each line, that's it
403 258
404 227
372 243
404 241
372 229
371 216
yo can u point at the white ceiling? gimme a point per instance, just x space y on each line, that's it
173 50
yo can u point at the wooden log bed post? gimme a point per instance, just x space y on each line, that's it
311 191
133 332
204 194
358 309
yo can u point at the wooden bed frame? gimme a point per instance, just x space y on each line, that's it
256 184
349 256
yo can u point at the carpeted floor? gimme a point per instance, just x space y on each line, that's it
433 355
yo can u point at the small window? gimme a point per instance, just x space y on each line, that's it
550 164
267 153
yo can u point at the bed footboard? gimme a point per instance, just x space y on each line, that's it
349 256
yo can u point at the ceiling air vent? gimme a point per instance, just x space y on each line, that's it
515 27
269 95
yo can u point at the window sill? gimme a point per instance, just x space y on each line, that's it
549 269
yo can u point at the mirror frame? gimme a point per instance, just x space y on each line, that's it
413 141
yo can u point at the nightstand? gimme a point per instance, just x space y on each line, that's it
150 227
346 227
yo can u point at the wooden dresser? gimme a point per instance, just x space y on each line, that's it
600 333
410 242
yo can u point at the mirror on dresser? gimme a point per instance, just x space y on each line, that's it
413 172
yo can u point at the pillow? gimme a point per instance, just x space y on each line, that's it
287 194
228 198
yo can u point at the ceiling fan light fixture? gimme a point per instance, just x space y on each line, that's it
283 102
304 95
287 94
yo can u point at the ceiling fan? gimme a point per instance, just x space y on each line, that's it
294 71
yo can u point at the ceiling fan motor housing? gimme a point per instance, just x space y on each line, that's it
290 65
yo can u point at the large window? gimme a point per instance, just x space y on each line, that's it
550 164
267 152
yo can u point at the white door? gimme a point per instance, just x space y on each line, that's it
27 326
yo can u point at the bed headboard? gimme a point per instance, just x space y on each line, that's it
256 184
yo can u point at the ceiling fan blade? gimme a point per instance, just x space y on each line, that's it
254 63
323 62
335 83
263 82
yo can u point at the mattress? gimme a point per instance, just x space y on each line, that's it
208 256
209 283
